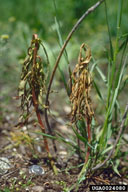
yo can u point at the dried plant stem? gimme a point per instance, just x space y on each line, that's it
39 119
35 103
116 141
89 140
87 160
90 10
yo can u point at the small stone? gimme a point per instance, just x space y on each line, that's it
14 149
67 109
36 169
24 128
63 153
39 149
4 165
37 139
125 136
22 149
37 189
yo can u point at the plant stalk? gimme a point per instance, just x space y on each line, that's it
35 103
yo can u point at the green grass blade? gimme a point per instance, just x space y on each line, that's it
93 65
112 94
59 138
123 85
79 136
98 91
120 66
46 135
82 128
110 109
124 42
58 29
71 144
119 16
101 75
116 50
109 33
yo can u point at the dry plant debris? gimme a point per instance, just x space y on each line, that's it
32 76
80 96
81 86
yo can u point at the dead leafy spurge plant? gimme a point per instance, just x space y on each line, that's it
32 87
32 77
81 86
81 106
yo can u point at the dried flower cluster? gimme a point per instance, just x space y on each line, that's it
81 86
32 77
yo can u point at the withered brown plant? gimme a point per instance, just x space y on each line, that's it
80 92
32 87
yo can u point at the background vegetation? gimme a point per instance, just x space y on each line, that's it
20 19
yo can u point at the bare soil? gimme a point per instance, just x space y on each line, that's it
23 147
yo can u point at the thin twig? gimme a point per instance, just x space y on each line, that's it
90 10
117 139
10 173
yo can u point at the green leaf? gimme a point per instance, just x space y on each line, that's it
82 128
46 135
93 66
106 150
115 166
6 190
79 136
124 83
98 91
101 75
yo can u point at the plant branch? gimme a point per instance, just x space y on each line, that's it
90 10
117 139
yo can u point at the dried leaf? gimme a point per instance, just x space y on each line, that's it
22 84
